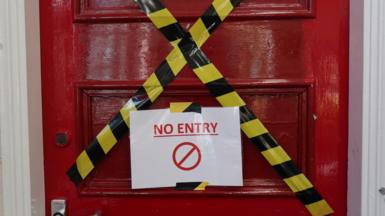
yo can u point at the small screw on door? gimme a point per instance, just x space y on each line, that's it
61 139
382 191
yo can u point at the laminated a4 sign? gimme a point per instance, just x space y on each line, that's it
175 147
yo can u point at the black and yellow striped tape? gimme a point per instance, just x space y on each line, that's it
250 124
176 107
197 186
147 94
202 28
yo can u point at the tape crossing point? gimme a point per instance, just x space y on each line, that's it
187 51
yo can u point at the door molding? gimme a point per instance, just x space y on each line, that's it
366 108
20 106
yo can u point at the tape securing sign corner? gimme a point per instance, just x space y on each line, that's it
187 51
197 186
176 107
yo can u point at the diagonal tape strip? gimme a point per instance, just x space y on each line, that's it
251 126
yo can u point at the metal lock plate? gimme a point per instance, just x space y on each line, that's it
58 207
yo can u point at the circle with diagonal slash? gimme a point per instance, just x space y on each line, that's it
186 156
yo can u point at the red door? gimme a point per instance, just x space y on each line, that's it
286 58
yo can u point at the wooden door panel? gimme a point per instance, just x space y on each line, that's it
241 50
287 58
123 10
285 110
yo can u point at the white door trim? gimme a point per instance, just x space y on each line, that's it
366 108
20 109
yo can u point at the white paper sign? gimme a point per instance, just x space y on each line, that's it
167 148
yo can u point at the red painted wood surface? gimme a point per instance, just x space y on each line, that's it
287 58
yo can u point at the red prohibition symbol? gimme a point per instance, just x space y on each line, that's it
192 150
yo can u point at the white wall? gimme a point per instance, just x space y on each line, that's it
36 159
2 62
355 107
20 109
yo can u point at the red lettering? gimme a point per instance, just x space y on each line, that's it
185 129
197 127
168 129
214 126
189 128
158 129
206 128
180 128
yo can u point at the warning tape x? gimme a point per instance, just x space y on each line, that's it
166 72
187 50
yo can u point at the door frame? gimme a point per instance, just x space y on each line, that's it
21 121
20 109
366 101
